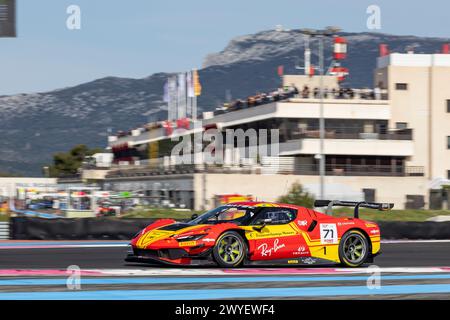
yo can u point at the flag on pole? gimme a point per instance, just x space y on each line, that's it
172 90
280 70
166 92
197 85
181 95
190 85
384 50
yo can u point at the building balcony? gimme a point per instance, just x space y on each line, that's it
358 144
342 134
361 170
274 167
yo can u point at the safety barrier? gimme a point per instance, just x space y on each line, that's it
415 230
4 230
28 228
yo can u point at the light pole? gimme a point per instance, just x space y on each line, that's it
321 34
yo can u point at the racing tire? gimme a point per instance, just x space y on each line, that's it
353 249
230 250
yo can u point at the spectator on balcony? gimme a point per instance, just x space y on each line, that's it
305 92
251 101
350 93
377 92
316 93
276 96
333 93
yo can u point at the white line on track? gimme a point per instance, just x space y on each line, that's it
37 245
414 241
218 272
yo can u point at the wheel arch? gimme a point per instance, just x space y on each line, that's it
369 241
241 233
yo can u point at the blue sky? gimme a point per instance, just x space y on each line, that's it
136 38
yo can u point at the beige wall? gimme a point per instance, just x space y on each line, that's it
411 106
94 174
8 185
370 147
423 106
270 187
440 119
300 81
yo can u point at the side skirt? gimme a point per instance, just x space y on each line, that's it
304 261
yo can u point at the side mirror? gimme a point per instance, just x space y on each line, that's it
260 227
194 216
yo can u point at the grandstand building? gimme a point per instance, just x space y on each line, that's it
389 144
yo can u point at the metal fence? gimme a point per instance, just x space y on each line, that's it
4 230
271 167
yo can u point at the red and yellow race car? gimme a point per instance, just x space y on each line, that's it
262 233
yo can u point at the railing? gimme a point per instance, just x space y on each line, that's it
332 134
4 230
360 170
270 168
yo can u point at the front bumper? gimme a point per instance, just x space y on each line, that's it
175 256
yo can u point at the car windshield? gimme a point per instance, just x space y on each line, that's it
228 213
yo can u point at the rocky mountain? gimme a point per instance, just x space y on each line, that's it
34 126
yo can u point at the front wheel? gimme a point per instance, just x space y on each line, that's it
353 249
230 250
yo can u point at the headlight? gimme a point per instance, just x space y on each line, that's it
191 238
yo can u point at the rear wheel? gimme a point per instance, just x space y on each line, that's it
353 249
230 250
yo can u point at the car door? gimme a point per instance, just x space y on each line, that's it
273 235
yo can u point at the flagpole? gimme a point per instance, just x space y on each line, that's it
194 101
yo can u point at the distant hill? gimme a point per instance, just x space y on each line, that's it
34 126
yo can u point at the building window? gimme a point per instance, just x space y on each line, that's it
369 195
401 86
401 125
448 106
448 142
448 174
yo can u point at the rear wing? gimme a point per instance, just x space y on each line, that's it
371 205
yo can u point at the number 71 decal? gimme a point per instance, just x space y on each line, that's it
328 233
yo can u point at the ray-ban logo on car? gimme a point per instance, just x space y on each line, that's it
7 18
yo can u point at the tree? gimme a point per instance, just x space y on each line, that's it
68 163
9 174
297 196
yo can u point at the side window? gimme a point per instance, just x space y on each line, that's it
275 215
229 215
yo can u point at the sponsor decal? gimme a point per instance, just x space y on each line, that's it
259 235
267 251
302 223
208 240
375 231
371 225
188 243
328 233
292 261
302 250
348 223
309 260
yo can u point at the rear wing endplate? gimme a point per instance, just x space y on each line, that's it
363 204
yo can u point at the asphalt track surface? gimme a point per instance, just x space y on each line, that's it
37 270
